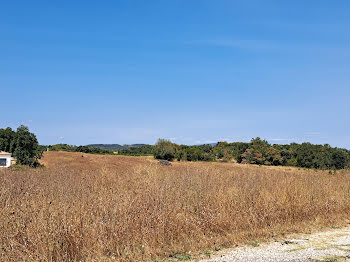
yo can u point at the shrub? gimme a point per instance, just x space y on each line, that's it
165 150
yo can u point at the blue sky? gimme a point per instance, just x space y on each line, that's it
82 72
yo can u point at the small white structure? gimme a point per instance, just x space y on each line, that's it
5 159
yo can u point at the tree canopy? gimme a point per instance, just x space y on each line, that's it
164 149
22 144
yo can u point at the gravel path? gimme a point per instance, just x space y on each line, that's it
328 246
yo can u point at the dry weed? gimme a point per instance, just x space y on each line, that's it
111 208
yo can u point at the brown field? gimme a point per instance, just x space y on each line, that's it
115 208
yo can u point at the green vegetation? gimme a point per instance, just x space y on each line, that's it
259 152
21 144
254 244
164 149
138 150
144 150
227 151
207 253
195 153
82 149
24 146
115 147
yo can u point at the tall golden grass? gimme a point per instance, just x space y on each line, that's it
110 208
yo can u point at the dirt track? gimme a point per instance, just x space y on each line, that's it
333 245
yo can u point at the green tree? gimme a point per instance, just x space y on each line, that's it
165 150
26 147
256 153
7 137
340 158
252 156
181 155
227 155
273 157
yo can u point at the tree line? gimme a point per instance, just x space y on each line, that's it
24 145
258 151
145 150
81 149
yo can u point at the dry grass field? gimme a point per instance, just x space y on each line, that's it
115 208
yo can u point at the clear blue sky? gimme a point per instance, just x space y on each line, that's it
82 72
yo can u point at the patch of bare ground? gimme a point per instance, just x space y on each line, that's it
84 207
332 245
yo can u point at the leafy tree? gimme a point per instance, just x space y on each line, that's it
165 150
227 155
340 159
258 153
195 153
144 150
252 156
181 155
273 157
62 147
227 151
26 147
7 137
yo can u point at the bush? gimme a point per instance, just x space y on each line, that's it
144 150
165 150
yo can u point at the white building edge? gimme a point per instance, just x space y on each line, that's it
5 159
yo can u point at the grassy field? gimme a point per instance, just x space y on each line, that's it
119 208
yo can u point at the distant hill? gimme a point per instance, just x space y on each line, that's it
115 146
212 144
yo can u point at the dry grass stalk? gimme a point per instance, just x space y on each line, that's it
110 208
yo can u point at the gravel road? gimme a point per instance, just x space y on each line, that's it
331 246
